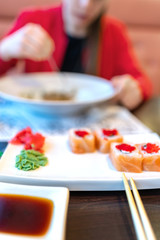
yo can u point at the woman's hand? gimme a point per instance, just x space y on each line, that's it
130 94
30 42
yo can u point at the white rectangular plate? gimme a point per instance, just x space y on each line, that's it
92 171
60 198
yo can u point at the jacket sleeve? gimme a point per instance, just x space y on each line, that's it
125 61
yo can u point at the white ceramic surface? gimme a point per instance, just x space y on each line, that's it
92 171
60 197
89 91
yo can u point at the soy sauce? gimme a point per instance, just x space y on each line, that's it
25 215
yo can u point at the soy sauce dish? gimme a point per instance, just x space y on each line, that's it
32 212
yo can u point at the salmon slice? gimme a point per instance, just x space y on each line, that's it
104 138
151 156
81 140
126 157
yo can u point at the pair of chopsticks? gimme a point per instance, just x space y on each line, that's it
53 65
140 219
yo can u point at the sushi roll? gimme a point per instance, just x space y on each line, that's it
151 156
81 140
104 138
126 157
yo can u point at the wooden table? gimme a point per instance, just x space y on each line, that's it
106 215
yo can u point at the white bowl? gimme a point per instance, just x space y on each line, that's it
89 91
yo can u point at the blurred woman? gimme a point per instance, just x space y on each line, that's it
76 36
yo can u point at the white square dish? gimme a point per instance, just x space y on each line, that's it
78 172
60 198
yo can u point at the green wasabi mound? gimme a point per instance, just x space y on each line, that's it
30 160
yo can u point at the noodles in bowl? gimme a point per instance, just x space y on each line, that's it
49 95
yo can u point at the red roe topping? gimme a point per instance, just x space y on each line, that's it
81 133
109 132
29 139
151 148
125 147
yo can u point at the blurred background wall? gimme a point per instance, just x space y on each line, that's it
142 18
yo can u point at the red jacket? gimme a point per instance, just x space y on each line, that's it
115 51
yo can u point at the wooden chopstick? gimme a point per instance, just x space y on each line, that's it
140 219
53 64
134 212
142 212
